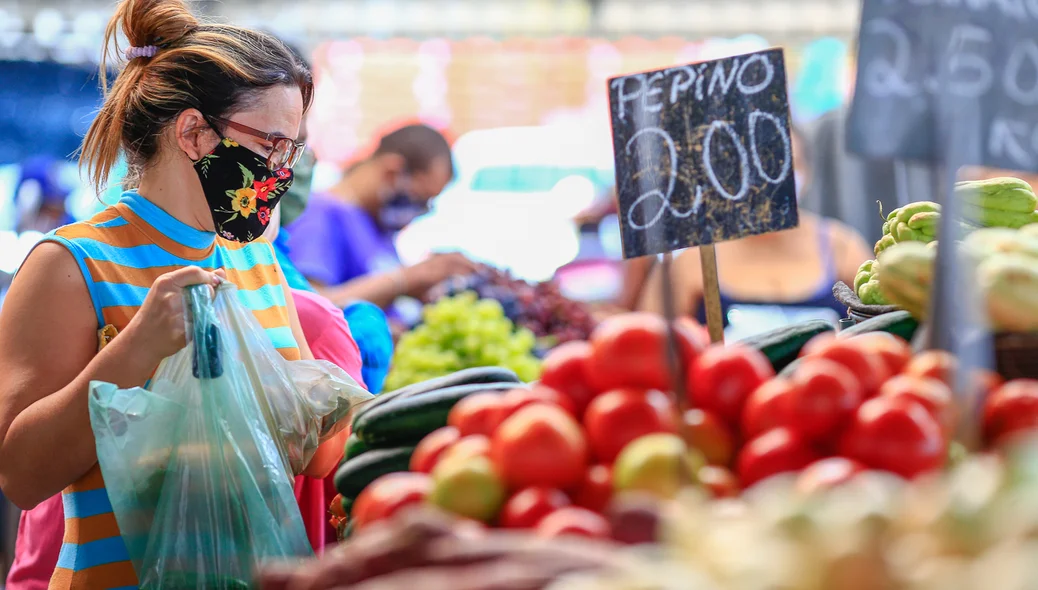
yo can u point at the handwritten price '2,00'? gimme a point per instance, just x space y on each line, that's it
969 73
667 205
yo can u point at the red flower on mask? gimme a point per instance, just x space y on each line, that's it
283 173
263 188
264 215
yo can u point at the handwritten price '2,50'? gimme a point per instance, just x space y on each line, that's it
746 159
969 72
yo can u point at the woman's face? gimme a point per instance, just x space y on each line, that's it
278 111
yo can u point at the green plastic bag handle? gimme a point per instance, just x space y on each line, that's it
207 363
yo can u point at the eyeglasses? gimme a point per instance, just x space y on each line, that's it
285 151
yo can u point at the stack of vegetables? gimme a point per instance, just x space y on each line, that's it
461 332
972 528
996 203
601 424
1006 271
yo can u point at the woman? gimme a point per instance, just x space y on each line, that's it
207 115
771 279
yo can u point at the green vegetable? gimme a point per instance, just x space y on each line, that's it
463 377
347 505
407 420
354 446
871 294
782 345
898 323
356 474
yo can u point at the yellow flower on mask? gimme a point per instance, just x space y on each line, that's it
227 141
244 202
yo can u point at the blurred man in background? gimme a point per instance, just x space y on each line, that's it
343 241
41 197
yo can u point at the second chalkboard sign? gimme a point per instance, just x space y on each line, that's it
703 153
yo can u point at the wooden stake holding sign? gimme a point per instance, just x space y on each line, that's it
703 154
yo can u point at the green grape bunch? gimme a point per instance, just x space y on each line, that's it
461 332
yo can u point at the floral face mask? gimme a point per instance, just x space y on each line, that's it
241 190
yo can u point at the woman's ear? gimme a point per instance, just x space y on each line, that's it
194 135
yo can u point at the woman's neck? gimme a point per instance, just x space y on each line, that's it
178 193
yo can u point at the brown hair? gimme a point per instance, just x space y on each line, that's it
210 67
418 144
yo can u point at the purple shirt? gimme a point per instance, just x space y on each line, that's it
333 242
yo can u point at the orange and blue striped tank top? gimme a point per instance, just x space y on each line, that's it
121 251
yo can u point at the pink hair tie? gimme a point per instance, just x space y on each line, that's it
146 51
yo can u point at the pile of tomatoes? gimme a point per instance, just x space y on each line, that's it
543 458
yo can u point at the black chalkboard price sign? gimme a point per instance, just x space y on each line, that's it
978 56
703 153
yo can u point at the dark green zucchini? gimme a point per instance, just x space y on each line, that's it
782 345
347 505
407 420
354 447
357 473
463 377
899 323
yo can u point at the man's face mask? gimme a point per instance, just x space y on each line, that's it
241 190
400 211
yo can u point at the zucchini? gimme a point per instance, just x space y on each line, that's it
354 447
356 474
782 345
462 377
347 505
899 323
791 368
407 420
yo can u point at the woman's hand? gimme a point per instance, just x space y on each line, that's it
159 327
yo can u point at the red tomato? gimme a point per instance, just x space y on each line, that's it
574 521
934 395
388 494
515 399
477 414
1011 410
630 350
528 506
466 447
432 447
719 481
936 364
693 339
776 451
335 508
540 445
596 489
817 343
827 473
824 398
894 352
895 434
724 376
567 369
617 417
867 367
766 407
708 434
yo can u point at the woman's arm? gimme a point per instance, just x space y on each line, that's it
687 283
48 351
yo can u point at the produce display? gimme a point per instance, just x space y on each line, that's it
996 203
461 332
601 425
1005 263
971 528
540 308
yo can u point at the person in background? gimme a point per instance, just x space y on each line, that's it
41 197
343 241
771 279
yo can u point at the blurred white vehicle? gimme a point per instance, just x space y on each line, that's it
515 196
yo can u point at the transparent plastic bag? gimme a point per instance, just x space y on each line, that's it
198 466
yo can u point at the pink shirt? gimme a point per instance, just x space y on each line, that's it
40 530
